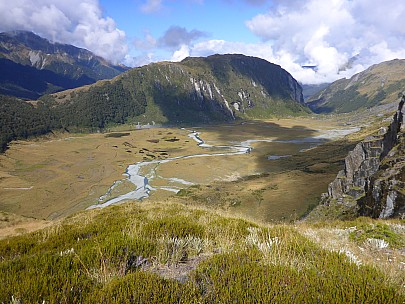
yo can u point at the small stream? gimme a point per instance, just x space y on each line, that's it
143 188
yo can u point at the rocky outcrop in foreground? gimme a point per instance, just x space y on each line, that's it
373 178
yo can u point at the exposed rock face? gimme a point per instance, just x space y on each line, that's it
374 173
198 89
33 66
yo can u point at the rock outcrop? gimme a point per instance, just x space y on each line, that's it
373 178
209 89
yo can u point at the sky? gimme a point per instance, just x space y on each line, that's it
335 38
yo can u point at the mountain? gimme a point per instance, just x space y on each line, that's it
379 84
20 119
196 90
33 66
309 90
372 182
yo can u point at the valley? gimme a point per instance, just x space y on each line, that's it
217 179
55 176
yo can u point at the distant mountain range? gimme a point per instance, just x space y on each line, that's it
217 88
379 84
32 66
196 90
210 89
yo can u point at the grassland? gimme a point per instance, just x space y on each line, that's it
218 241
170 253
53 177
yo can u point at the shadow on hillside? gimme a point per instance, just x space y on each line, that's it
30 83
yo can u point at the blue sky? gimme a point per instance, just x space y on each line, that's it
292 33
214 20
219 19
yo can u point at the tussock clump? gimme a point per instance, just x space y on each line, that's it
171 253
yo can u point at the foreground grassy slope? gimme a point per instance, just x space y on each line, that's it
169 253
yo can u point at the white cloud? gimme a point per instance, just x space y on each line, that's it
139 60
182 53
327 33
77 22
205 48
147 43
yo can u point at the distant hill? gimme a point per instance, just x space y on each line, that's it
379 84
218 88
196 90
32 66
20 119
309 90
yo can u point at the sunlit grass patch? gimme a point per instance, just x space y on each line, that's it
171 253
378 235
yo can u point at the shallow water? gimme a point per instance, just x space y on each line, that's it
141 181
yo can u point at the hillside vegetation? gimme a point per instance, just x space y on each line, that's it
19 119
169 253
198 90
379 84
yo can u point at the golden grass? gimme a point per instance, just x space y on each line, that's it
390 260
12 224
49 178
136 252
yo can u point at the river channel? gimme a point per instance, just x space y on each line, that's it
142 174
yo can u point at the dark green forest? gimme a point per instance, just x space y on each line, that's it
97 108
19 119
198 90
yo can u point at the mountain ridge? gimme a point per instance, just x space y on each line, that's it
203 90
47 67
218 88
379 84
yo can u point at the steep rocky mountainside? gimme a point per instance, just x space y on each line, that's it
32 66
379 84
216 88
373 180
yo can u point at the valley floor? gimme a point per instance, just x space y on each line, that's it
231 236
282 176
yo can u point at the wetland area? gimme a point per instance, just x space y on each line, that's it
267 170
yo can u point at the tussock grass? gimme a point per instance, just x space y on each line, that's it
171 253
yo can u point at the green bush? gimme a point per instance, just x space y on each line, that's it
113 256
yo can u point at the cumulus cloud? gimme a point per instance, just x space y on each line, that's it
77 22
177 36
182 53
152 6
328 34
